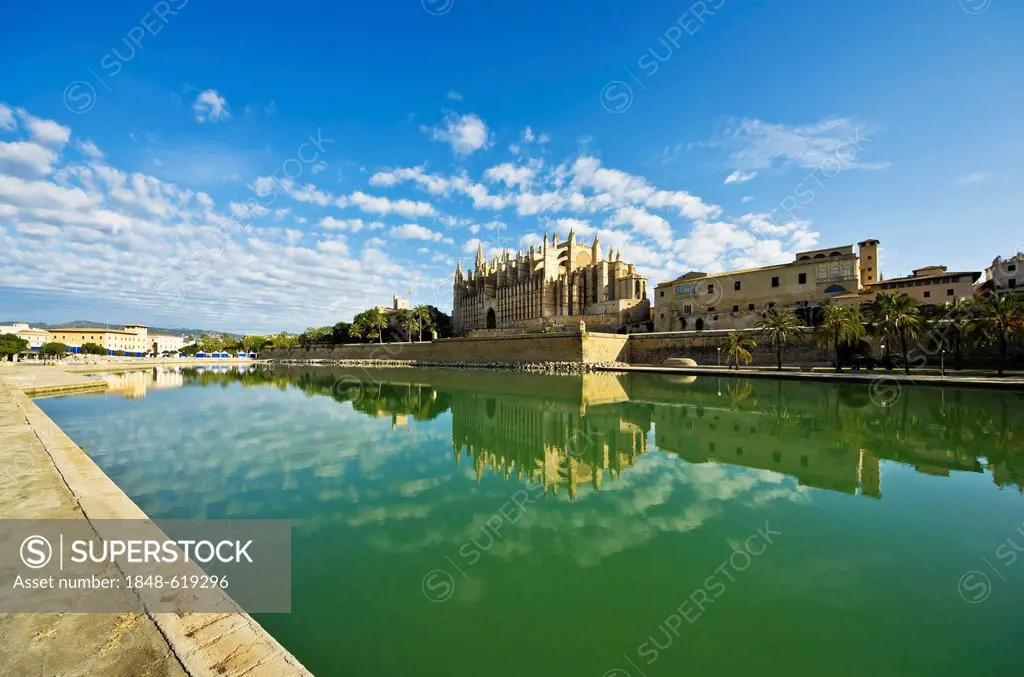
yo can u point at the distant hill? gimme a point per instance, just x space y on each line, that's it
180 331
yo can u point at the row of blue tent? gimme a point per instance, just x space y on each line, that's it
225 355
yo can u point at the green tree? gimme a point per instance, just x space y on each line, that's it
430 326
370 322
894 314
998 318
422 315
409 322
340 332
254 343
839 325
779 326
738 347
210 343
959 324
284 340
93 349
12 344
53 349
314 335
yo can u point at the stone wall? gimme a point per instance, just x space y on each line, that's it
569 346
703 347
606 348
559 347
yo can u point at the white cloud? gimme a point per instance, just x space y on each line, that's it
414 231
972 178
7 120
247 210
89 148
152 247
746 198
453 95
18 157
833 142
46 132
384 206
433 184
740 177
466 134
210 106
643 222
510 174
581 227
354 225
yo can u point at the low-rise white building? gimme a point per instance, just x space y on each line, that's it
1006 274
166 343
35 337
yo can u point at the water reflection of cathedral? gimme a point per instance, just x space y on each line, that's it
572 432
556 442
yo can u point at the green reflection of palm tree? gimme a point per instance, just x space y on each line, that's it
740 396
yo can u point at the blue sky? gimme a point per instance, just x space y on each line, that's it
146 148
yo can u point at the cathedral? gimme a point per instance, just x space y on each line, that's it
557 284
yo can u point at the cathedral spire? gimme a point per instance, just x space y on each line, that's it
458 269
480 262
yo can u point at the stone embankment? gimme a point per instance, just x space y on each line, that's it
45 475
535 367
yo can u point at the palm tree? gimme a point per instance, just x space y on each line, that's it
422 315
376 321
737 348
779 326
998 318
959 320
896 314
430 326
409 322
839 325
357 330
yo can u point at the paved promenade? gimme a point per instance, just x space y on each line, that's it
43 474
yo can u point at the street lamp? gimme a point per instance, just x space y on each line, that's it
942 363
719 356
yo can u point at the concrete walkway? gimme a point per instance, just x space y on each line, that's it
43 474
879 376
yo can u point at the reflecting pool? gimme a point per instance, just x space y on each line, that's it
495 523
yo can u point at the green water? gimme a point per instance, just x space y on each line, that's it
476 523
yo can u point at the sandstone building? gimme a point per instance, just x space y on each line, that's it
931 285
739 299
559 284
134 340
